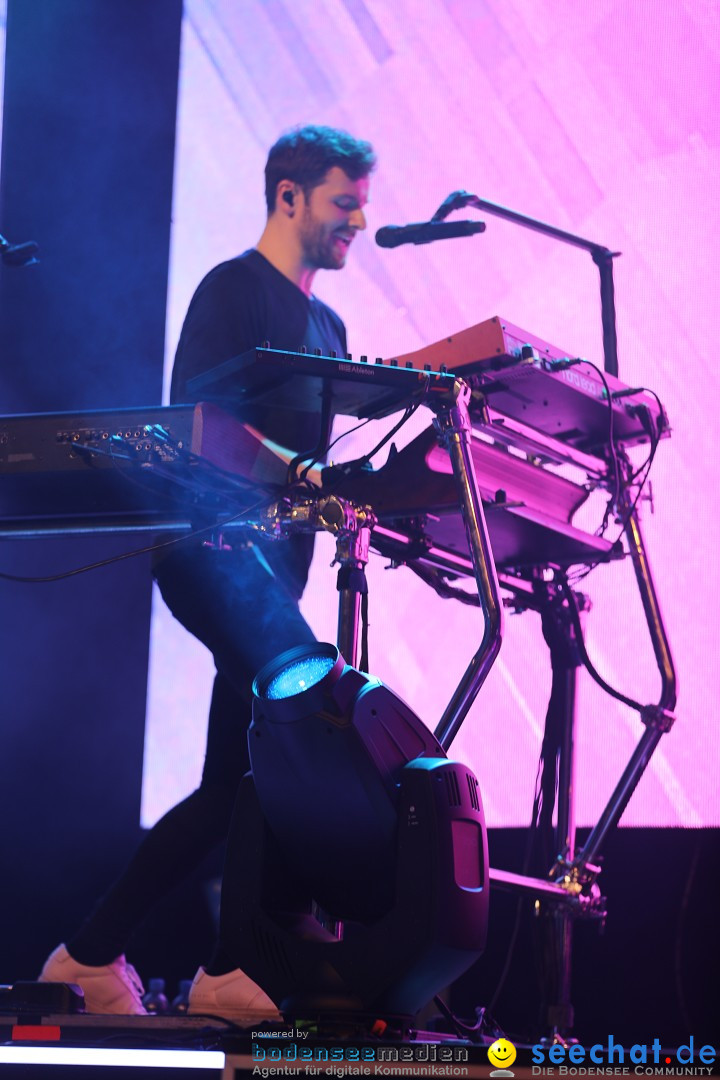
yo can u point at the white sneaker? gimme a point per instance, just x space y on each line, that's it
233 996
112 988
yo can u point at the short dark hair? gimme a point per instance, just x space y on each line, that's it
306 154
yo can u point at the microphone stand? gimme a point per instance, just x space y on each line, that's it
574 872
601 256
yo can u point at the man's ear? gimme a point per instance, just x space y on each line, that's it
285 197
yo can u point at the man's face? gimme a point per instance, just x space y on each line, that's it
331 216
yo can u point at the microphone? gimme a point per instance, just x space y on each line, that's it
425 232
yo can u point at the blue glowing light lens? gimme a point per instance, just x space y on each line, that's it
300 676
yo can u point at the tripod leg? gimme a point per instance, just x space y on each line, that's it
555 929
352 553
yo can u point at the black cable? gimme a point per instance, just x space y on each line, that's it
612 501
448 592
611 434
157 469
319 449
24 579
654 433
324 451
587 662
484 1021
361 462
136 551
654 440
625 518
662 419
435 579
542 810
210 471
559 365
198 489
336 440
581 572
646 466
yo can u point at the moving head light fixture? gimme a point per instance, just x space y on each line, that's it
367 883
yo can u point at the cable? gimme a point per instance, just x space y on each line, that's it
320 452
25 579
560 365
435 579
136 551
612 501
336 440
361 462
611 444
587 662
654 433
485 1021
647 465
157 469
209 469
325 421
581 572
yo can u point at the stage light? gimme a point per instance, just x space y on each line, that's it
291 677
326 763
365 884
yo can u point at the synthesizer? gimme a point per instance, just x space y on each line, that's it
301 381
129 469
547 388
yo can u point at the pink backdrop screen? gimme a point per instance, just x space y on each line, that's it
595 118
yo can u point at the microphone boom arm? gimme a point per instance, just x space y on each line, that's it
601 256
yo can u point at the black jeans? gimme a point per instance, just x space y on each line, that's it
246 613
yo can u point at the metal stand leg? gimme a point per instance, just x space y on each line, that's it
555 927
352 526
352 551
658 719
453 427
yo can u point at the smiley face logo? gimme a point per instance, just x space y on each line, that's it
502 1053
